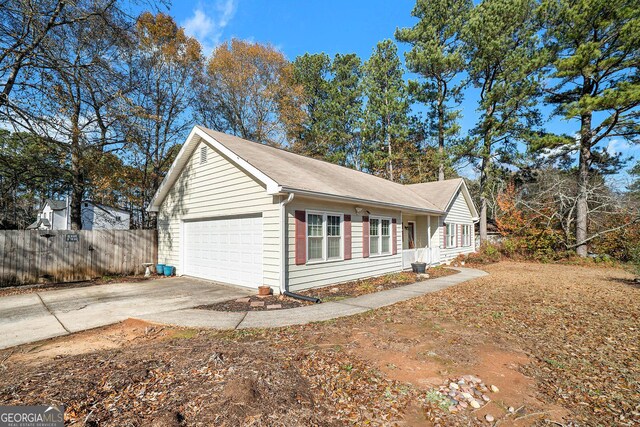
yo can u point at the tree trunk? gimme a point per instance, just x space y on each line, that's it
582 205
484 182
77 175
388 137
441 141
77 192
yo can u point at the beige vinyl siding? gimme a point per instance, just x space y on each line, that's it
217 188
458 213
331 272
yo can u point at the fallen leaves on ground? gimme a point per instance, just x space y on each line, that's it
579 328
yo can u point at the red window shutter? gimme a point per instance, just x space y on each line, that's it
394 237
444 236
347 237
365 237
301 237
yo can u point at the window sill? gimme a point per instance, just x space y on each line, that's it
380 255
324 261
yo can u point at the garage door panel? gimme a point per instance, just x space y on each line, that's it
226 250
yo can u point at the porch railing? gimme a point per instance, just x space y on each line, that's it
429 255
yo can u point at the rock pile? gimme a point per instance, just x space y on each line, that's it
467 391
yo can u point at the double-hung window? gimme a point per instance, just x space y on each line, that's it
379 236
324 236
466 235
451 236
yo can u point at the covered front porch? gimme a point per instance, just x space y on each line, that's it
420 239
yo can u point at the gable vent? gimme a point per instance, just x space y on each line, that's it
203 155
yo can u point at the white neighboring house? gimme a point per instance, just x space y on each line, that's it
239 212
55 215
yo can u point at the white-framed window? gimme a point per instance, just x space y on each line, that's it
466 235
451 236
324 236
379 236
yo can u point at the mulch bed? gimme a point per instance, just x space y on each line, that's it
272 302
375 284
328 293
106 280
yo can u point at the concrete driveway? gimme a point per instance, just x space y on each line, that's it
37 316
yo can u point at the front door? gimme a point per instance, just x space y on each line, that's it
411 234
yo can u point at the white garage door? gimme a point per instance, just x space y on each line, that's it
226 250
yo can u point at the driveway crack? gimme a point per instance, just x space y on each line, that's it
51 313
241 320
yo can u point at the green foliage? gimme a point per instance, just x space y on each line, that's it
311 72
437 55
333 101
527 233
594 70
344 110
488 253
505 63
622 244
386 115
596 52
436 398
30 171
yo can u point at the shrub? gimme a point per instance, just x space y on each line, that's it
527 234
487 254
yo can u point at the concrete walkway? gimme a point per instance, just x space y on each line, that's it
36 316
311 313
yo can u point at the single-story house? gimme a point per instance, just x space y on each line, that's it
244 213
56 215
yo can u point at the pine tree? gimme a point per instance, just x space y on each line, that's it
436 55
634 186
344 111
386 112
312 73
596 66
505 62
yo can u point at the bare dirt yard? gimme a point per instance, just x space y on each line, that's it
559 343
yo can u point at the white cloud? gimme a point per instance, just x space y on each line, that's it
208 22
616 146
199 25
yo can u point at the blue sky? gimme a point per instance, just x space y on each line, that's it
330 26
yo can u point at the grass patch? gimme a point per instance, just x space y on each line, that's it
184 334
437 399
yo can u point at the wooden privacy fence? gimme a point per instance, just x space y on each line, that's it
35 256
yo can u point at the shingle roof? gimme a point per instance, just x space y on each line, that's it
291 172
439 193
38 222
297 172
56 205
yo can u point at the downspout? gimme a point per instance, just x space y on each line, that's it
283 243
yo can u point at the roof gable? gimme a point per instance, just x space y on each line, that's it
55 205
282 171
443 193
